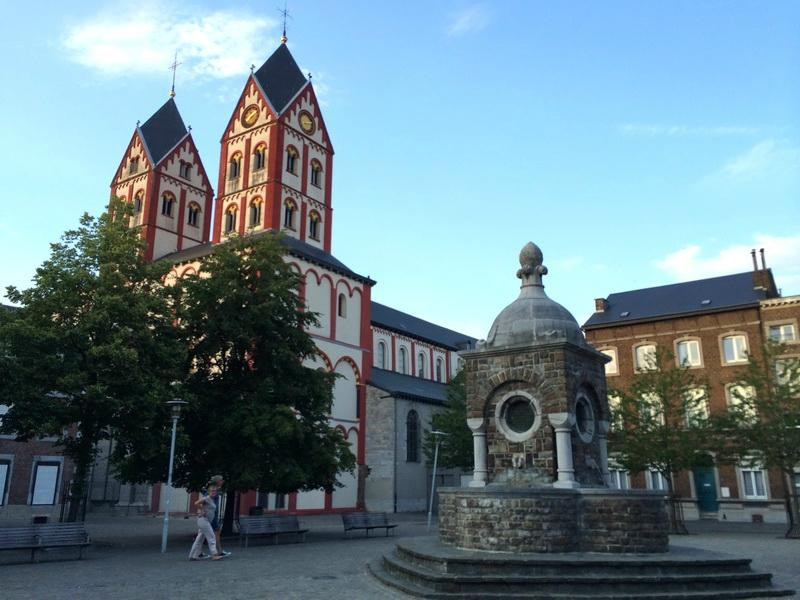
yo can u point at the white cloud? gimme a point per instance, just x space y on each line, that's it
763 157
653 130
782 255
467 20
143 41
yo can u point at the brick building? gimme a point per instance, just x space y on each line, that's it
710 325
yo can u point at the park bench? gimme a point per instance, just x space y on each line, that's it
366 521
48 535
272 525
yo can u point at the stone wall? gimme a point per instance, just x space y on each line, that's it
553 520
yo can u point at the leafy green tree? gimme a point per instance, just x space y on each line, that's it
762 425
256 414
91 351
455 449
664 422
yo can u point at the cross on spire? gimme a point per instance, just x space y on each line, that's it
284 12
174 67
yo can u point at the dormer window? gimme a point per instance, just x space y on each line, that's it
186 170
313 225
291 160
194 214
289 208
316 173
133 167
260 157
167 204
255 212
230 219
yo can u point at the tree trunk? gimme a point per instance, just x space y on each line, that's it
675 511
230 509
83 462
792 506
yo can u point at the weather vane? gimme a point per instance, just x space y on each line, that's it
284 12
174 67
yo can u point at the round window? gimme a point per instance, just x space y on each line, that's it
584 418
517 416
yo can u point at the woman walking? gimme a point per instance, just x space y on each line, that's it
206 510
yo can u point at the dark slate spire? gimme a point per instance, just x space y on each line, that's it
163 131
280 78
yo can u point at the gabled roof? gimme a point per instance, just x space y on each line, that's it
692 297
406 386
280 78
395 320
162 132
295 246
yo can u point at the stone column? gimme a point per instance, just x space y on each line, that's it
562 423
480 472
602 441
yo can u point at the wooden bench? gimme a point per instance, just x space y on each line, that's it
46 535
366 521
272 525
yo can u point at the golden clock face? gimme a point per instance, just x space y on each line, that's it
306 122
250 116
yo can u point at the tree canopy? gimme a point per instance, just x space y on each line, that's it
455 449
91 350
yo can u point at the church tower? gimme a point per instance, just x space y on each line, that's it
162 175
276 158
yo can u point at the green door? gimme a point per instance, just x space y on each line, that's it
706 487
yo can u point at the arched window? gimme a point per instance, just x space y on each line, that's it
316 173
194 214
402 361
289 208
185 170
138 201
420 365
291 159
255 212
412 436
167 204
342 311
381 355
133 167
438 369
235 166
230 219
260 157
313 225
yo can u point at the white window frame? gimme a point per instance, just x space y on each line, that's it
780 325
704 414
731 399
737 360
4 408
688 362
402 360
620 478
380 355
654 476
749 473
6 460
611 367
640 347
421 364
46 461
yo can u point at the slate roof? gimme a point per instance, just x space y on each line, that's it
163 131
692 297
280 78
406 386
395 320
295 246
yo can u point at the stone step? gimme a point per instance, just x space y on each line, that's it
576 584
471 563
376 568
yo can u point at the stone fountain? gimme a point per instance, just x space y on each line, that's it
539 519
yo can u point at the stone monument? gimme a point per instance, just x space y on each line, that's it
538 519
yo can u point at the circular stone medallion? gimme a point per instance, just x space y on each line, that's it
517 416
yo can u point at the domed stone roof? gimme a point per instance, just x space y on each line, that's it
533 318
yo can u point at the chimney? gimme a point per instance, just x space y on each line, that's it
763 262
600 305
753 256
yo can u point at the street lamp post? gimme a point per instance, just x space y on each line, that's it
175 406
438 436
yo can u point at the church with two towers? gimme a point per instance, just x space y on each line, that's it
275 173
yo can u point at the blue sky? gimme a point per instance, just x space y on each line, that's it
638 143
